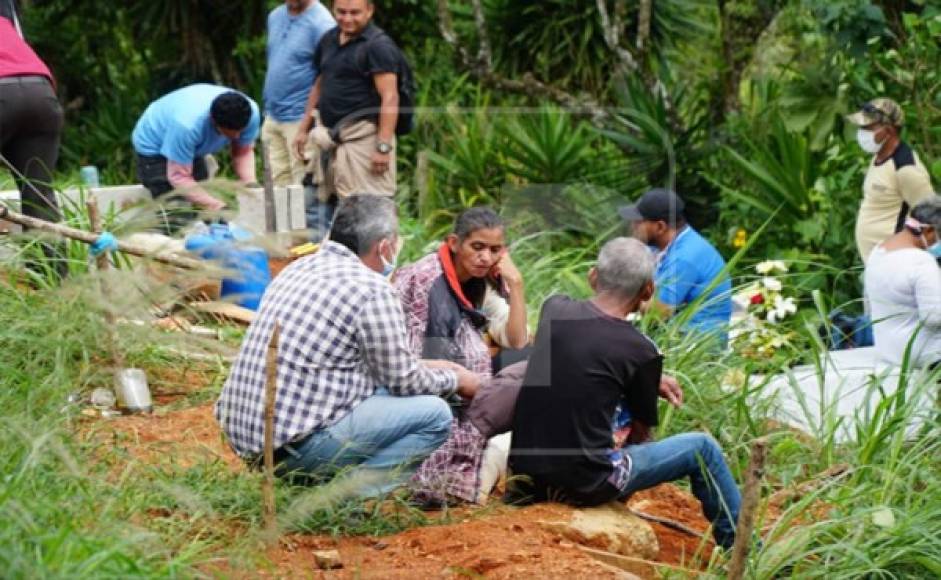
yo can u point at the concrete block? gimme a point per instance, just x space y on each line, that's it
281 210
252 215
297 209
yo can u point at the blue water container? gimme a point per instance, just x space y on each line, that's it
248 265
210 243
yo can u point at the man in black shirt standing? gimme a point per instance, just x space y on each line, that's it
357 98
589 370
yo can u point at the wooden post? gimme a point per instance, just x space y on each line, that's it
103 263
271 386
746 516
90 237
271 223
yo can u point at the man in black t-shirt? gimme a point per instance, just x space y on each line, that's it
356 96
588 368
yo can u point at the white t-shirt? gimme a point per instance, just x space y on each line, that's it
497 310
904 288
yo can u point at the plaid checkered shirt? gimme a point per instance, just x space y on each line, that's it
342 335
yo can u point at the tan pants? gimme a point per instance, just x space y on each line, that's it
349 171
286 168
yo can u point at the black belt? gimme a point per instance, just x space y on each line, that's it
24 80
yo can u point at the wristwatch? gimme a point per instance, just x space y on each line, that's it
383 147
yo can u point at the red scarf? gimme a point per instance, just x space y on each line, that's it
450 273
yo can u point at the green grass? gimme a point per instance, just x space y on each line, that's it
75 505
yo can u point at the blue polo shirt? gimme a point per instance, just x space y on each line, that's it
685 270
292 40
178 126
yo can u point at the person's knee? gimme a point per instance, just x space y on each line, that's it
708 447
437 417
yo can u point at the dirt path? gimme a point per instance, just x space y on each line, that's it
500 542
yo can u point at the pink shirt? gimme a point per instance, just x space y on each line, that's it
16 57
180 176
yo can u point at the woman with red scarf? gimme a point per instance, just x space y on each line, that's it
30 123
451 298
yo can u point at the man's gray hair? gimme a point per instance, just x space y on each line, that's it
928 212
363 220
624 266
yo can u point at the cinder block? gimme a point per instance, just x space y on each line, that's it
281 210
252 215
298 215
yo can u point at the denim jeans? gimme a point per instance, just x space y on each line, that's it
382 439
319 213
698 457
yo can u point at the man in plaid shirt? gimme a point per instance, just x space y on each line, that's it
350 392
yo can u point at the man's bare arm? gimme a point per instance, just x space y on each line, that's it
307 121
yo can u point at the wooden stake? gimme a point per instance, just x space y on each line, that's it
268 183
271 386
90 237
746 516
103 263
666 522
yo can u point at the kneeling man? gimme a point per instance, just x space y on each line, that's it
589 368
350 392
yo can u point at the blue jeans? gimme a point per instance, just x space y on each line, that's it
319 213
382 439
698 457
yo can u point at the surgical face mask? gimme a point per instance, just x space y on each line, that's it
867 141
387 266
934 249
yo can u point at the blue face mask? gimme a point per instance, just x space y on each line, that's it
387 266
935 249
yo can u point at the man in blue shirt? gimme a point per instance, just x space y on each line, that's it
687 264
179 129
294 31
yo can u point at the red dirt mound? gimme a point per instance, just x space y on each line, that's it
501 542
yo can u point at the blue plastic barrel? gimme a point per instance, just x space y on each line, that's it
248 265
252 276
210 244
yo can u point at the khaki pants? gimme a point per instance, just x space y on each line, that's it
286 168
349 170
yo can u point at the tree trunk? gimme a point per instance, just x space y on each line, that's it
643 29
727 79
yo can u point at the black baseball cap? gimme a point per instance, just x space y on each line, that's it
656 205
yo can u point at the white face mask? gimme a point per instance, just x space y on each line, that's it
867 141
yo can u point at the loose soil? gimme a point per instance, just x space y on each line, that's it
494 542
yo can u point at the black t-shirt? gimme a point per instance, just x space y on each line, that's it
7 8
583 365
347 89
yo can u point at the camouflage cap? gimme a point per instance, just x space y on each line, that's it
881 110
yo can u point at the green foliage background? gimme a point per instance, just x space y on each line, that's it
754 119
739 104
